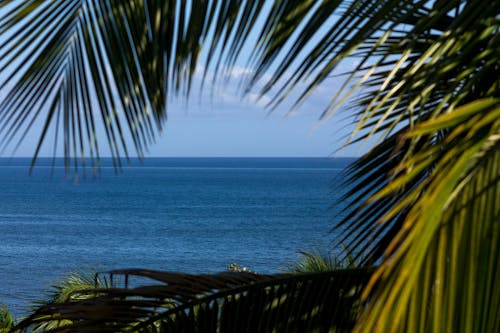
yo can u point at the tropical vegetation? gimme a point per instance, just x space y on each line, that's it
7 322
71 287
423 206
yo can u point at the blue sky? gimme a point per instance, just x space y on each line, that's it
224 124
227 125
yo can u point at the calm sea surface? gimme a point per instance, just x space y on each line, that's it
178 214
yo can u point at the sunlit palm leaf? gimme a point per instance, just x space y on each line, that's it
443 267
429 195
225 302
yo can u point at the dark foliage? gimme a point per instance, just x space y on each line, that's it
225 302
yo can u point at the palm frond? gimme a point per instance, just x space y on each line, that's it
6 320
223 302
444 263
68 288
317 261
90 65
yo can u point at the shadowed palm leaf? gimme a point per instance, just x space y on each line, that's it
225 302
423 201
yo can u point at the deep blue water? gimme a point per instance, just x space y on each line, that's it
192 215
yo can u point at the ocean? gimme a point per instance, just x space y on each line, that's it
193 215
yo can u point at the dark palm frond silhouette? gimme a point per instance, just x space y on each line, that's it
224 302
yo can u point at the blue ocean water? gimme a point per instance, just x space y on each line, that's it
177 214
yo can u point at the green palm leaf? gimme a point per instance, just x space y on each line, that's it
451 235
6 320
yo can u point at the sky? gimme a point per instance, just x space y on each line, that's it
226 124
229 125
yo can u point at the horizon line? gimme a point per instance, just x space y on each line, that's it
150 157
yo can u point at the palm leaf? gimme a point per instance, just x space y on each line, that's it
442 269
6 320
89 65
223 302
67 289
